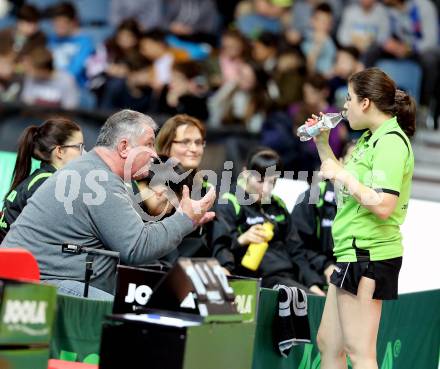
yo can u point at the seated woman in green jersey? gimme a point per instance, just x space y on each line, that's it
373 190
55 142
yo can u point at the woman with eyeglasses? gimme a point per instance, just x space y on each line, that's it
56 142
182 137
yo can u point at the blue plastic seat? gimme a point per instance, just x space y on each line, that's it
87 99
7 21
93 12
406 73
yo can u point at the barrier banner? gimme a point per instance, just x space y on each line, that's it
409 334
27 312
77 332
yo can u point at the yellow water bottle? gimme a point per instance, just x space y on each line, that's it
255 252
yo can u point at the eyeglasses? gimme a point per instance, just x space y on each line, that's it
187 143
79 146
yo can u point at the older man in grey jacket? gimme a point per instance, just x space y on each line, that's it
87 203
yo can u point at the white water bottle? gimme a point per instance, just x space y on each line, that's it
327 121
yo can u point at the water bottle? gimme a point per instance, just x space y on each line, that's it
255 252
327 121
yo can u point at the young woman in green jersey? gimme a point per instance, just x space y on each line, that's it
373 193
55 143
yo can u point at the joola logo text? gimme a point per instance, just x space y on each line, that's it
25 312
139 294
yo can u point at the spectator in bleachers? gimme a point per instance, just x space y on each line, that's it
316 92
317 45
289 75
133 91
182 138
25 35
10 82
148 13
197 20
55 143
153 46
225 66
302 12
237 225
109 59
242 102
265 50
414 35
45 86
276 133
69 46
124 42
363 24
257 16
187 91
347 63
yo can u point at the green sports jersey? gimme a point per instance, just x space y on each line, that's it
383 161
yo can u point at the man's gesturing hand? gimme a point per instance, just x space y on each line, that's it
198 210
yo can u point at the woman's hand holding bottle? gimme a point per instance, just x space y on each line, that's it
255 234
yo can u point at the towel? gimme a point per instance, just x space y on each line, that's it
291 324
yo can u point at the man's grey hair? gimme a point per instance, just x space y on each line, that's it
127 124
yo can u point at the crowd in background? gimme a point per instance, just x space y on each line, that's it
262 65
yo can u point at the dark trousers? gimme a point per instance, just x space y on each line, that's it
282 278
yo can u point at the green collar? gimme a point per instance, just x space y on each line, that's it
387 126
47 167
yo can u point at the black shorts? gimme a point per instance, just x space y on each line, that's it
347 276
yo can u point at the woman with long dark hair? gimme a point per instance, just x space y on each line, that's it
244 101
374 188
56 142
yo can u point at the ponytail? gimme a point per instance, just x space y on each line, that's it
26 146
375 85
38 142
405 109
